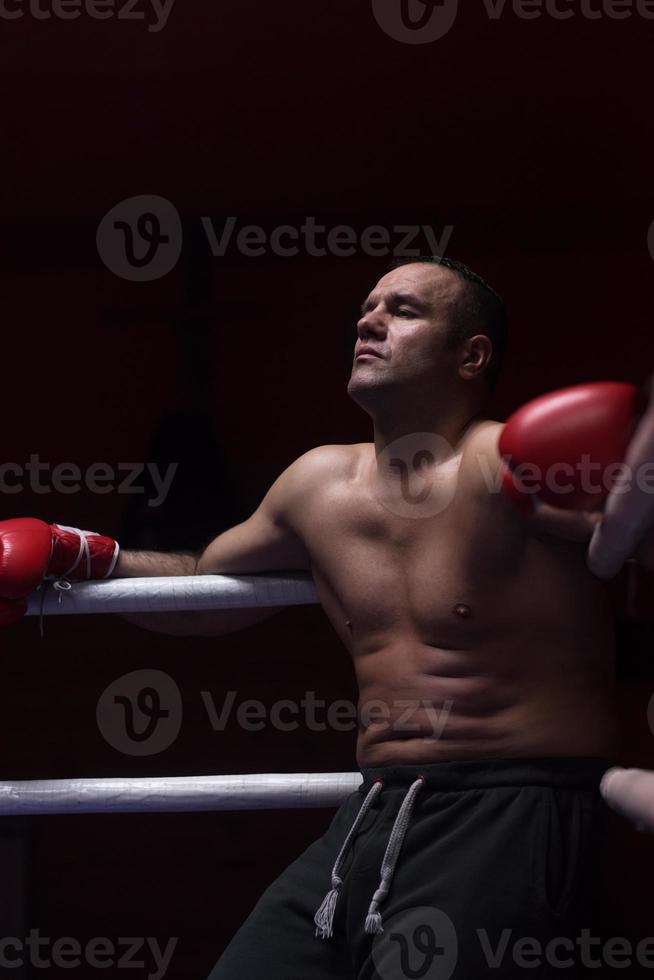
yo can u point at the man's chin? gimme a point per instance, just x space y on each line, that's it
363 391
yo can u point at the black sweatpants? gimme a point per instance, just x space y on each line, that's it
491 879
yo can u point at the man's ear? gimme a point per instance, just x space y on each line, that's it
476 352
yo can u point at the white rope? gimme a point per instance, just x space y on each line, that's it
178 793
270 791
183 592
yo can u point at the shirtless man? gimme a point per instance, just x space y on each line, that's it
484 654
464 607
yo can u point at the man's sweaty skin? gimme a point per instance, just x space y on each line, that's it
470 608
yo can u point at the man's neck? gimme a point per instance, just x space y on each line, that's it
450 426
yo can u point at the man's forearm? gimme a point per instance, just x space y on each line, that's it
142 564
146 564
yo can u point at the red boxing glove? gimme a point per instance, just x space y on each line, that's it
557 448
31 550
81 555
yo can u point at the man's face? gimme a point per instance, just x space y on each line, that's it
403 331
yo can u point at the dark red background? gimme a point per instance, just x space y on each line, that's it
531 138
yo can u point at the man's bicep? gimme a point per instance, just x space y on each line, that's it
259 544
265 542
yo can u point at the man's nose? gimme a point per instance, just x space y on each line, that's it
371 324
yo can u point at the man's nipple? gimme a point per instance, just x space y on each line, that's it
462 610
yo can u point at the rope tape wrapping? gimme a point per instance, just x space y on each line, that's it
270 791
177 593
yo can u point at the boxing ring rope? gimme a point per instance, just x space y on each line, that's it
178 793
183 593
173 794
628 791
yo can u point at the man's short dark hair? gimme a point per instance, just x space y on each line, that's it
480 310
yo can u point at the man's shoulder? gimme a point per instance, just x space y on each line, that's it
483 432
482 438
481 456
317 471
334 461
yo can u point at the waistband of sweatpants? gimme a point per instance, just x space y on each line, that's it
574 772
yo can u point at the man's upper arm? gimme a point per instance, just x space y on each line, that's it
482 460
569 525
267 541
